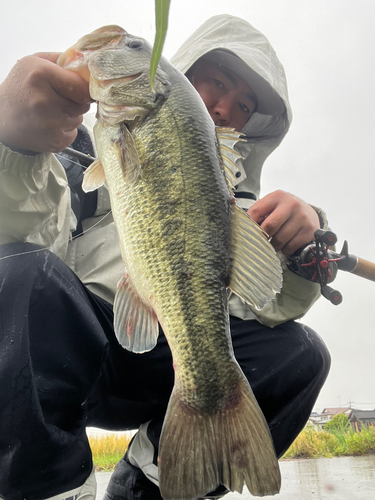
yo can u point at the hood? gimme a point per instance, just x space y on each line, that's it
265 129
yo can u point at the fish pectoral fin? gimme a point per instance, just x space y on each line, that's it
136 325
233 446
127 155
227 138
256 274
93 177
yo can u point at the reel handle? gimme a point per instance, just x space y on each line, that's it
334 296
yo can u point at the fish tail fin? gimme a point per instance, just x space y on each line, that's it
232 447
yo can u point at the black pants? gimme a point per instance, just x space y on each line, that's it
62 369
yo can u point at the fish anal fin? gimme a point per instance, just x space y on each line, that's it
233 447
93 177
127 155
256 273
135 323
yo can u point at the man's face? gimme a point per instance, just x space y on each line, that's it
228 98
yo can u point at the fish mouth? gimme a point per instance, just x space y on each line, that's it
75 61
121 79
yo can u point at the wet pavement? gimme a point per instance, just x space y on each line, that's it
344 478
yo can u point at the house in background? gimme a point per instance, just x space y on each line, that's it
318 420
328 413
357 418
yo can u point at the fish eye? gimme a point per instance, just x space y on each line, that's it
135 44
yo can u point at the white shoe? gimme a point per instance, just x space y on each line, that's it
85 492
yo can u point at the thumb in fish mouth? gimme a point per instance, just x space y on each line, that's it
76 57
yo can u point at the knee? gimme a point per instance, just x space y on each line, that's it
24 266
20 258
318 353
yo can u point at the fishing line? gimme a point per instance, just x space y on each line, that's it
84 167
62 244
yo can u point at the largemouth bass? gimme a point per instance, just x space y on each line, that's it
183 241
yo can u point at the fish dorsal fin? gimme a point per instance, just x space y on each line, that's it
93 177
256 274
136 325
227 138
127 155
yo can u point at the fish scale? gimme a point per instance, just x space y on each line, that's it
199 250
183 241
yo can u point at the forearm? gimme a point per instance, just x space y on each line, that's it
34 200
296 297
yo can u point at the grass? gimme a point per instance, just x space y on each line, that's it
108 450
310 443
338 442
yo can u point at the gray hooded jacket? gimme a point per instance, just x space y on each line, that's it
35 198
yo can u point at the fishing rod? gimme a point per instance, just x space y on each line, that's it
318 263
84 159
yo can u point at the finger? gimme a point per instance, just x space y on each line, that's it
295 233
55 133
282 238
57 122
72 123
261 209
274 221
294 244
72 109
64 141
60 142
69 84
48 56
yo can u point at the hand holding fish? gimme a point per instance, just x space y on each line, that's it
289 220
41 105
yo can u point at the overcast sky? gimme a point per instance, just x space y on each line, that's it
327 158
